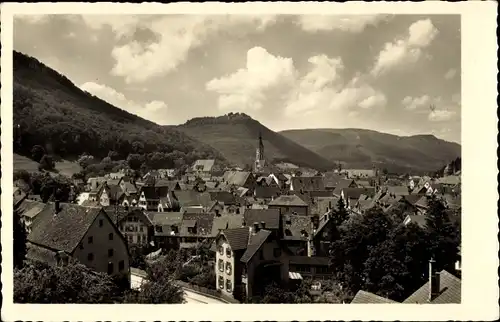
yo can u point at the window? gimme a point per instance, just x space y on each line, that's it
228 268
110 252
110 236
141 229
229 285
221 282
121 265
221 250
101 222
228 252
261 255
277 252
91 240
81 246
221 265
110 268
90 257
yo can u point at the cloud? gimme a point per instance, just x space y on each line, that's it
450 74
32 19
154 110
405 51
441 115
263 76
352 23
412 103
177 35
378 100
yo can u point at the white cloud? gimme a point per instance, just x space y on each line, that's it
450 74
247 88
405 51
177 35
412 103
154 110
352 23
378 100
441 115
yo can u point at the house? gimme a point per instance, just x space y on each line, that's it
314 267
203 168
307 183
167 226
266 194
226 222
196 229
363 297
419 220
93 183
243 179
331 180
18 195
29 210
86 234
449 181
191 198
360 173
279 179
151 193
133 223
247 259
352 195
289 204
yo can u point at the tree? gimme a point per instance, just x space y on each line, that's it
135 161
20 237
113 155
85 160
340 215
22 175
72 283
47 163
37 152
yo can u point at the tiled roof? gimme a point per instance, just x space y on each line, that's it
65 230
30 208
203 165
449 291
193 198
226 197
361 173
331 180
320 205
420 220
308 183
398 190
254 244
40 254
19 195
203 222
320 193
237 237
306 197
355 193
449 180
363 297
237 178
154 192
288 200
165 218
294 225
266 192
412 198
226 222
271 217
306 260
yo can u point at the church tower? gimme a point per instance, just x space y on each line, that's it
259 155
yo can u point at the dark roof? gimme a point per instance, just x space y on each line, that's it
266 192
288 200
30 208
363 297
237 178
66 229
449 291
308 183
41 254
321 205
237 237
420 220
331 180
254 244
398 190
271 217
166 220
355 193
412 199
226 222
226 197
294 225
154 192
188 198
119 213
203 222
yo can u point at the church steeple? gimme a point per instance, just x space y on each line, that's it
260 150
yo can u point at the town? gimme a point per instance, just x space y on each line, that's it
213 233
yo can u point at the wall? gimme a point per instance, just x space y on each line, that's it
134 230
222 242
100 245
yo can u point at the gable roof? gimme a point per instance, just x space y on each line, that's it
450 288
294 225
322 204
271 217
66 229
288 200
332 180
363 297
226 222
203 223
266 192
30 208
236 178
237 237
355 193
398 190
189 198
203 165
225 197
308 183
254 244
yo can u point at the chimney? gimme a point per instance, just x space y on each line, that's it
263 224
434 281
57 207
256 227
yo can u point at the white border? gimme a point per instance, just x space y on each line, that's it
479 132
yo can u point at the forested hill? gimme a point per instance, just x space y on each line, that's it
360 148
235 135
49 110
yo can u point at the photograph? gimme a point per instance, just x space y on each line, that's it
231 158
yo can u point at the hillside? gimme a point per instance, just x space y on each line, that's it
357 148
64 167
236 137
49 110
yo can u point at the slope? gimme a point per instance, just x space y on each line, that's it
235 135
358 148
49 110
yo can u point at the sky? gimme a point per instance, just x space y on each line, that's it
398 74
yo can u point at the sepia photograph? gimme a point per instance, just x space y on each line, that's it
230 158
